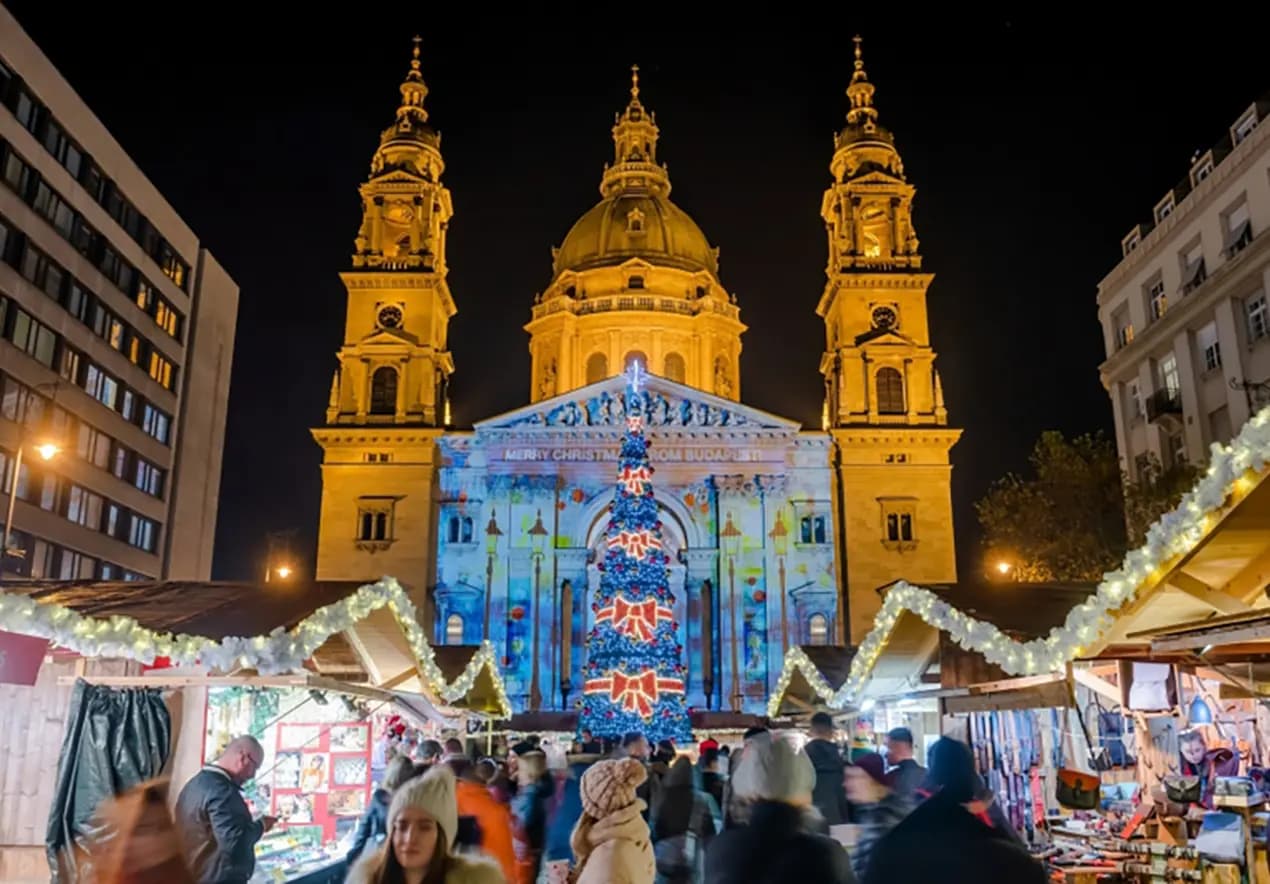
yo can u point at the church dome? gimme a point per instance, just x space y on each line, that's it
631 224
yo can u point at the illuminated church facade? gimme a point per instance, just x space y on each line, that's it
778 535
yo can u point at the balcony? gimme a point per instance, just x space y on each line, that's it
1163 403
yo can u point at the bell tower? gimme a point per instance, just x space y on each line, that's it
884 402
395 361
387 404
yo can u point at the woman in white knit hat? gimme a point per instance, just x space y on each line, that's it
422 821
611 844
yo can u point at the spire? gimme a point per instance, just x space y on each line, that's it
635 135
860 92
413 91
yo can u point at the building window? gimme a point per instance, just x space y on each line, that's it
1244 127
1258 317
143 533
635 356
818 629
597 367
899 523
1209 347
378 457
1169 379
1202 169
811 530
1193 270
375 522
1174 449
1130 242
890 387
1238 230
634 221
1123 327
383 391
454 630
635 282
1164 209
676 370
1159 302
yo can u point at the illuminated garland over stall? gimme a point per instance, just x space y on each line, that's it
1175 534
276 653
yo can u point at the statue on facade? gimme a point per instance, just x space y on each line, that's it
547 386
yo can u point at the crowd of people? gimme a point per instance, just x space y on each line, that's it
631 813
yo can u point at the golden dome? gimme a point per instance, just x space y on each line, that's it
636 225
636 218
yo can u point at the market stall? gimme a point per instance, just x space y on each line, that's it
315 678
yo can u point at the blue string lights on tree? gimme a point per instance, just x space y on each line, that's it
634 677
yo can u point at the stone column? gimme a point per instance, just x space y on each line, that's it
702 627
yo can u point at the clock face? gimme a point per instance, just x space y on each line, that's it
390 317
884 317
398 213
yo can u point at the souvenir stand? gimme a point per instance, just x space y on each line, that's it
1209 557
321 668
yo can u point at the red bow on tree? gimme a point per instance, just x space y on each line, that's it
635 693
636 619
634 480
635 543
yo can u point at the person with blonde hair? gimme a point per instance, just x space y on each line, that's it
611 843
423 819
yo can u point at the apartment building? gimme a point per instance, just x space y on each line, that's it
116 339
1184 314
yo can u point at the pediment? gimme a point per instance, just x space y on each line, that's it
393 336
603 404
884 336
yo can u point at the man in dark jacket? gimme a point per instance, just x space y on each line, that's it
775 845
945 840
829 796
905 773
217 832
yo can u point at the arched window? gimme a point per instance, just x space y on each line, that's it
629 359
597 367
467 530
675 368
454 630
818 630
890 391
383 391
452 534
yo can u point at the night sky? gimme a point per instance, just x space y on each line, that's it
1034 148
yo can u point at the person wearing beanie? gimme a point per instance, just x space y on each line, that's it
373 826
879 806
422 822
611 842
945 839
778 843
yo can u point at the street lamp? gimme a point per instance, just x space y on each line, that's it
780 543
731 537
1004 568
538 542
492 533
45 450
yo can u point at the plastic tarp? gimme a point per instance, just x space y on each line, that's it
116 738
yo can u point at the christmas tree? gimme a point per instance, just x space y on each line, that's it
634 677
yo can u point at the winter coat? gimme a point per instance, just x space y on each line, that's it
218 835
907 778
615 849
529 826
876 822
682 825
776 847
712 784
373 826
494 820
463 869
942 841
830 793
565 815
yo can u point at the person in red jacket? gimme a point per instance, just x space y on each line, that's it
494 820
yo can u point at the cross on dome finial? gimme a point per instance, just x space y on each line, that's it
634 82
415 54
636 377
859 55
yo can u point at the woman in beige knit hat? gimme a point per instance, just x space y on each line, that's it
611 844
422 821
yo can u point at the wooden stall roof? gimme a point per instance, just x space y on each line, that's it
453 661
831 663
212 609
1023 610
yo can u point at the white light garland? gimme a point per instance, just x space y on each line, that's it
797 661
1176 533
278 652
